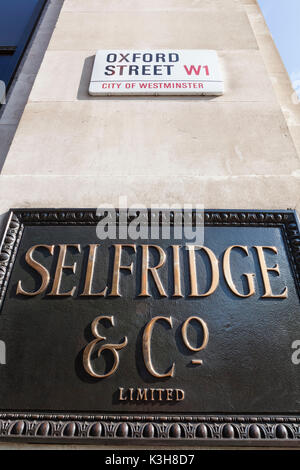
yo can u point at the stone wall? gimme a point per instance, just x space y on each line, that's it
232 151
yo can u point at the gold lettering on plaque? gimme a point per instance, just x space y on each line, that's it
228 276
142 394
121 397
117 267
193 272
147 348
179 394
153 270
59 270
186 341
152 394
264 271
43 272
90 272
176 268
113 348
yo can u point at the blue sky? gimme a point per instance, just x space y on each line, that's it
283 19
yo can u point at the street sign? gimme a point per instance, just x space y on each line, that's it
156 72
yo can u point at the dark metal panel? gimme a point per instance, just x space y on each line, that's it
246 391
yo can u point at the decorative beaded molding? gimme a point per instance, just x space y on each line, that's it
220 429
8 252
163 428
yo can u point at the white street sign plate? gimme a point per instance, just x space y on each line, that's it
156 72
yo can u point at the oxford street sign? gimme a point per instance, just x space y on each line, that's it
153 339
156 72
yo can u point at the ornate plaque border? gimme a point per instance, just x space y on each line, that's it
169 430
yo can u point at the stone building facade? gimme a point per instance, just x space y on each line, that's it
239 150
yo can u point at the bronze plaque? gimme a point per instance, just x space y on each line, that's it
152 339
